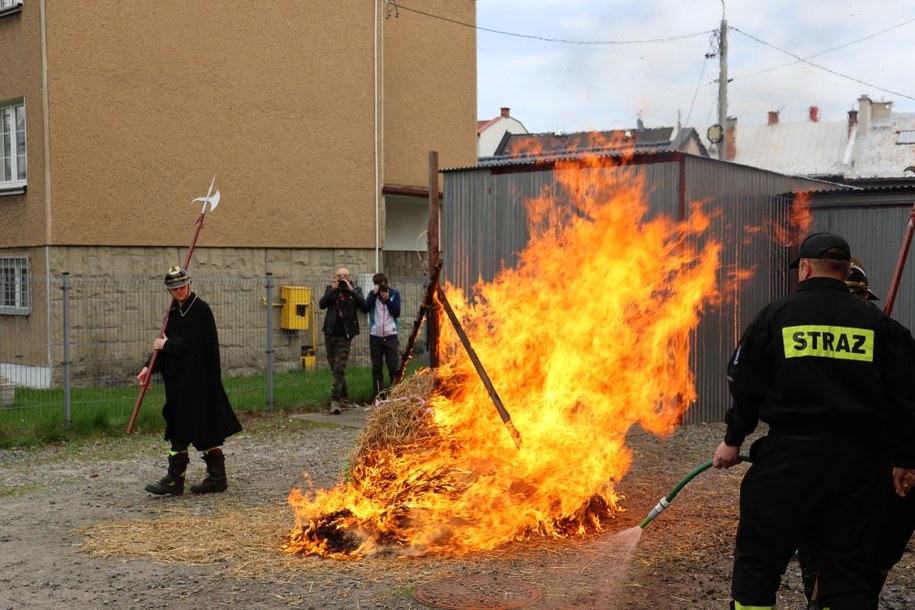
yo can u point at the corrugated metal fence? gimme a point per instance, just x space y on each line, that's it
486 218
97 333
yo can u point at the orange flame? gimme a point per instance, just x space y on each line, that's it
800 219
588 336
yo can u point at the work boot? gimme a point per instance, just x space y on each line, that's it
215 480
173 482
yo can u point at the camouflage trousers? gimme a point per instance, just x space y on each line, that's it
337 357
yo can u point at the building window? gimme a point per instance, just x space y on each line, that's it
15 286
13 166
8 7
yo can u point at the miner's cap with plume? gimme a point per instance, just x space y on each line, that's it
177 277
823 245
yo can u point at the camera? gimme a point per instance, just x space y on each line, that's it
383 287
342 284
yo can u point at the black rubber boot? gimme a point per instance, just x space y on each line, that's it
215 480
173 482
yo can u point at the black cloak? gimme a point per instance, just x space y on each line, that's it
196 406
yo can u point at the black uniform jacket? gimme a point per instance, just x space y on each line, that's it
823 362
196 406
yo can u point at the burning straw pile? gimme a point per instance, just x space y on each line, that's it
579 351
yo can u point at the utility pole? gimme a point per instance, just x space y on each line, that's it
723 86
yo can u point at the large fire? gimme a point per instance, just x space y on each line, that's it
586 337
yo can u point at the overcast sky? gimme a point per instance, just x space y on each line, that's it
612 81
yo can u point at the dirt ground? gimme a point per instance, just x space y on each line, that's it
78 531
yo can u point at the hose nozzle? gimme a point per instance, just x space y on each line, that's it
655 512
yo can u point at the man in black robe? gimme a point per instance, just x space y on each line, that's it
197 410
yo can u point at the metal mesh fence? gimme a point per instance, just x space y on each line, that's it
84 333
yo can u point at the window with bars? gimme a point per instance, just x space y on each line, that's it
15 286
13 168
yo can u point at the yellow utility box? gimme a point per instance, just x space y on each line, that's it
296 313
308 358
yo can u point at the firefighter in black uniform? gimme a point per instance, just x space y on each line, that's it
891 532
827 372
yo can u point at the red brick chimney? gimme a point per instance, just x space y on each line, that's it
505 112
814 113
773 117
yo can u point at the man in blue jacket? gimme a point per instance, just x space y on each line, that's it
383 304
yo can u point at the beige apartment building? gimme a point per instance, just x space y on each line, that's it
316 120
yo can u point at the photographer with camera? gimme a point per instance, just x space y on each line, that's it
384 347
342 300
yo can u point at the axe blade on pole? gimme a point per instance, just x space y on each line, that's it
211 198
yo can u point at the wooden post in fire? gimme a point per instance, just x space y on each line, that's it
503 412
425 309
433 238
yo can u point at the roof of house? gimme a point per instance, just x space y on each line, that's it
794 149
873 144
540 144
482 125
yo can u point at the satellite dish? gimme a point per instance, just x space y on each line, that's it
715 133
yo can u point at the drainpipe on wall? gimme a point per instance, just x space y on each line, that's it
46 142
377 188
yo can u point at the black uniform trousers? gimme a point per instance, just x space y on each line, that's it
815 489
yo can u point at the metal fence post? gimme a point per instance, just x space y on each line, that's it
269 373
65 287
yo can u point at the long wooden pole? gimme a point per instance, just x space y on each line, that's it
187 261
900 264
434 332
425 308
487 382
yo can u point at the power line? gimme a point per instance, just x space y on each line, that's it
825 69
847 44
798 59
708 55
399 6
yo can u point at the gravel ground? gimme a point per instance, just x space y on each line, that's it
78 531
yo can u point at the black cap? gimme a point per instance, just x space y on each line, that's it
858 284
823 245
177 277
